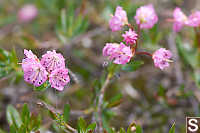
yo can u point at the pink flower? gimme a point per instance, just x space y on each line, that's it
59 78
29 54
146 16
110 50
52 60
120 13
130 37
27 13
161 58
34 72
118 20
194 19
180 19
119 53
115 24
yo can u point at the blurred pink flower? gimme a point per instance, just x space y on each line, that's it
59 78
161 58
119 53
130 37
27 13
180 19
118 20
52 60
146 16
34 72
194 19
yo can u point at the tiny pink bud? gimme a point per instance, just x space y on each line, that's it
27 13
130 37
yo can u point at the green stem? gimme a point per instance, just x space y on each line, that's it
100 101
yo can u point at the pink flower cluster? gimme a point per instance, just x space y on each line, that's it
51 66
118 20
146 17
119 53
161 58
180 19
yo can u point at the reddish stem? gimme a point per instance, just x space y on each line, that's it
169 20
130 26
197 30
143 53
138 32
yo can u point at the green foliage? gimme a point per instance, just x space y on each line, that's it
132 66
13 117
24 122
71 24
197 78
122 130
66 112
172 129
191 58
139 129
151 38
115 101
43 87
8 64
83 128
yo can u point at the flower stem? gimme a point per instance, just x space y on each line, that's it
100 102
130 26
143 53
138 32
197 31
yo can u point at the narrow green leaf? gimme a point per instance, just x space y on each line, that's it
13 116
197 78
138 129
25 115
63 20
3 54
116 100
82 125
132 66
91 127
122 130
13 129
172 129
66 112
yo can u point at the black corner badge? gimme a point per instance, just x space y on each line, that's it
192 124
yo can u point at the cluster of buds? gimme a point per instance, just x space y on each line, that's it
51 67
122 53
180 19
